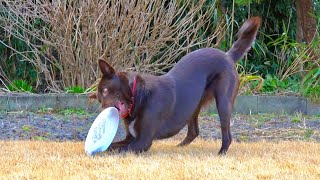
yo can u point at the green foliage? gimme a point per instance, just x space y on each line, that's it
308 133
40 138
281 19
243 137
20 86
246 2
14 51
313 93
276 12
310 84
26 128
80 90
75 90
70 111
297 118
45 110
273 84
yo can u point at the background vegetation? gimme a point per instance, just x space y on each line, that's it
53 46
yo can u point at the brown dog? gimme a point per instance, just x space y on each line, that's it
160 106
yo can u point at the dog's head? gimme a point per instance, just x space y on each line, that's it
113 89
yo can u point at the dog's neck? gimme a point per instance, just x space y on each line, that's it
132 103
140 94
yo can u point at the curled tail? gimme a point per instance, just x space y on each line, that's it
247 35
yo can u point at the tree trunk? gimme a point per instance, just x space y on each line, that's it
306 23
221 27
306 31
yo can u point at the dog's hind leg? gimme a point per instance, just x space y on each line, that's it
224 107
224 95
193 128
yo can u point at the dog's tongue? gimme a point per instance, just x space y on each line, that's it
122 108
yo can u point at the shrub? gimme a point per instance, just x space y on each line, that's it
20 86
65 39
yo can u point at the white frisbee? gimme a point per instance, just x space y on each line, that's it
102 131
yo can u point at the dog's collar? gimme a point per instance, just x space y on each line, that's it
133 92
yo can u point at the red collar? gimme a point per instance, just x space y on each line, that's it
133 92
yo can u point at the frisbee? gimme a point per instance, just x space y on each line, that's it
102 131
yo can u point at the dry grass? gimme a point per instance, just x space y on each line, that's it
262 160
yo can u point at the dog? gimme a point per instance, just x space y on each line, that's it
159 107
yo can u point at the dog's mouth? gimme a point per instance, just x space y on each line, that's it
121 106
117 107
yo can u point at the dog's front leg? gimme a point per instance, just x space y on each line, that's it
129 137
137 146
144 131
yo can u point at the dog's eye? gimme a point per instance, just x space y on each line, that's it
105 92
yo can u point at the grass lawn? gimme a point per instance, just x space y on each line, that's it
252 160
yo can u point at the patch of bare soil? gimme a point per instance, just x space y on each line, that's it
51 126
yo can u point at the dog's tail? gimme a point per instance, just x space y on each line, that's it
247 35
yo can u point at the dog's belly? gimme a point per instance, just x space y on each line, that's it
167 134
177 104
171 127
188 99
185 106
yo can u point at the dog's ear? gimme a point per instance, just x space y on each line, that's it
106 68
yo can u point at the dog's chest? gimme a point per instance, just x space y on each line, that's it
131 128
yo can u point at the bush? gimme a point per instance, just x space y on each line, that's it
63 40
20 86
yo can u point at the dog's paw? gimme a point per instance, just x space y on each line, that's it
124 149
222 152
131 150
